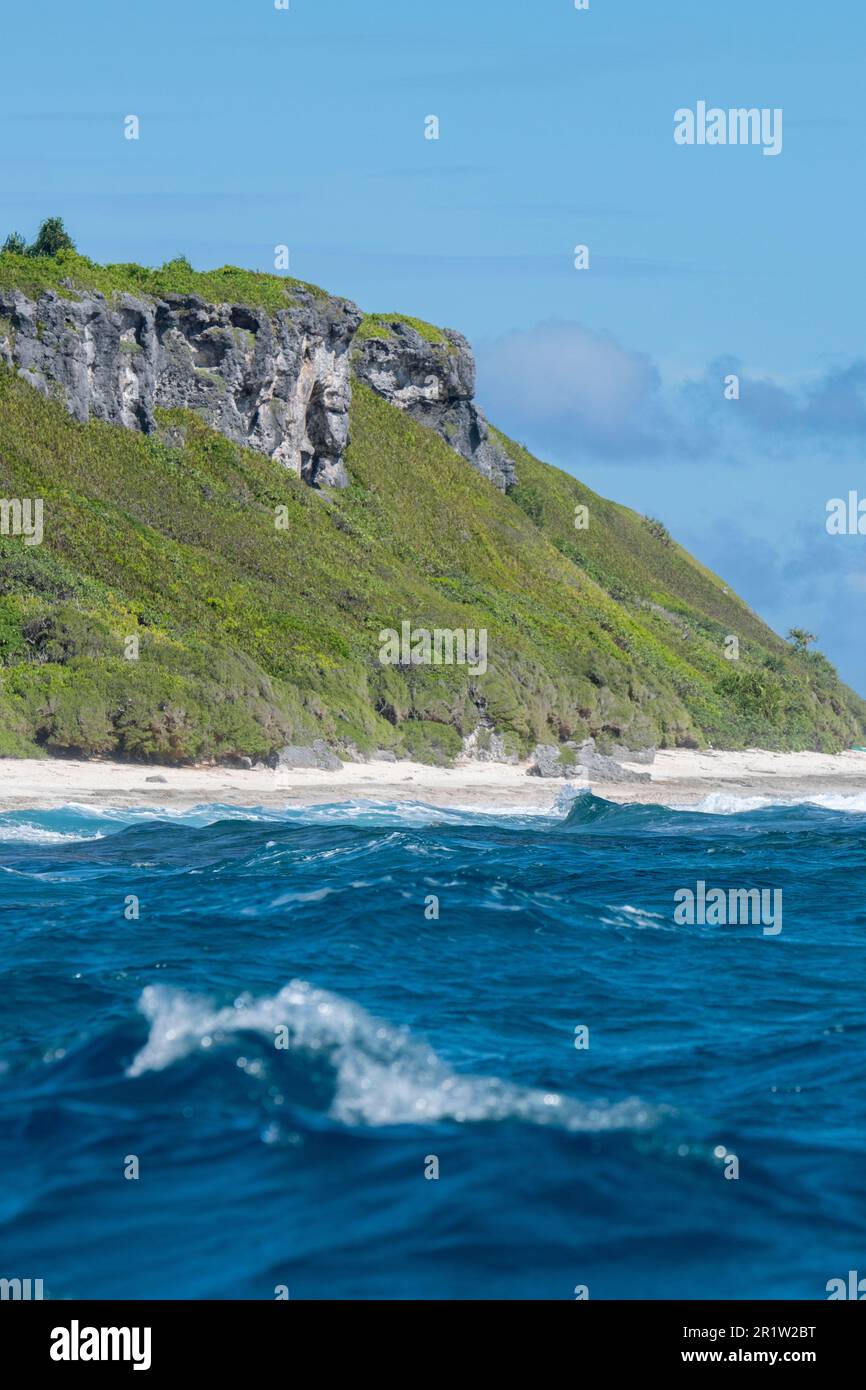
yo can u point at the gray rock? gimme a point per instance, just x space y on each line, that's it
633 755
498 751
351 753
157 778
603 769
291 757
327 761
385 755
277 383
586 746
294 756
548 762
435 384
485 745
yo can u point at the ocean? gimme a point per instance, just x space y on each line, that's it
372 1051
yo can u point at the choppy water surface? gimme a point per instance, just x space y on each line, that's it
410 1038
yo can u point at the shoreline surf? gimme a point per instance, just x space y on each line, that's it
678 778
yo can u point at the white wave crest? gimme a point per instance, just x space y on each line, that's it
384 1075
27 834
840 801
729 804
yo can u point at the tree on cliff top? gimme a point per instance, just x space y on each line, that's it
51 238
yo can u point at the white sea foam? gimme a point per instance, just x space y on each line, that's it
636 919
398 813
840 801
384 1075
27 834
567 795
728 804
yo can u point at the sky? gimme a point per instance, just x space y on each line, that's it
306 127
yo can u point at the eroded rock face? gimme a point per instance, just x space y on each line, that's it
547 762
633 755
276 383
435 384
600 768
485 745
317 755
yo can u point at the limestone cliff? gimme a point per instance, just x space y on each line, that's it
279 382
432 378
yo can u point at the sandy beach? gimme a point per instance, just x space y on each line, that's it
678 778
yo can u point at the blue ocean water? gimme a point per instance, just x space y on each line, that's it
413 1039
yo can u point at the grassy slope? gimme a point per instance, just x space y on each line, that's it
771 695
252 636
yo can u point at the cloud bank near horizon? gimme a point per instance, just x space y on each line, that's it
742 483
575 391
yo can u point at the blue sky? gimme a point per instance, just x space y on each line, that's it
306 127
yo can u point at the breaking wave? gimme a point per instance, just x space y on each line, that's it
383 1075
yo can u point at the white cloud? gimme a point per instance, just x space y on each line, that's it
564 385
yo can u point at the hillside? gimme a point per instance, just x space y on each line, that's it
252 635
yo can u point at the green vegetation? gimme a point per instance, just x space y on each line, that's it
774 695
379 326
800 638
33 272
428 742
657 529
51 239
249 636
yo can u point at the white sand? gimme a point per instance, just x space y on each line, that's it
679 777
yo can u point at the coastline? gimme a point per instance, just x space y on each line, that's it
678 777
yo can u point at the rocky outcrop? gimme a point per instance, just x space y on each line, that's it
317 755
600 768
434 382
633 755
486 745
549 763
277 383
580 759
